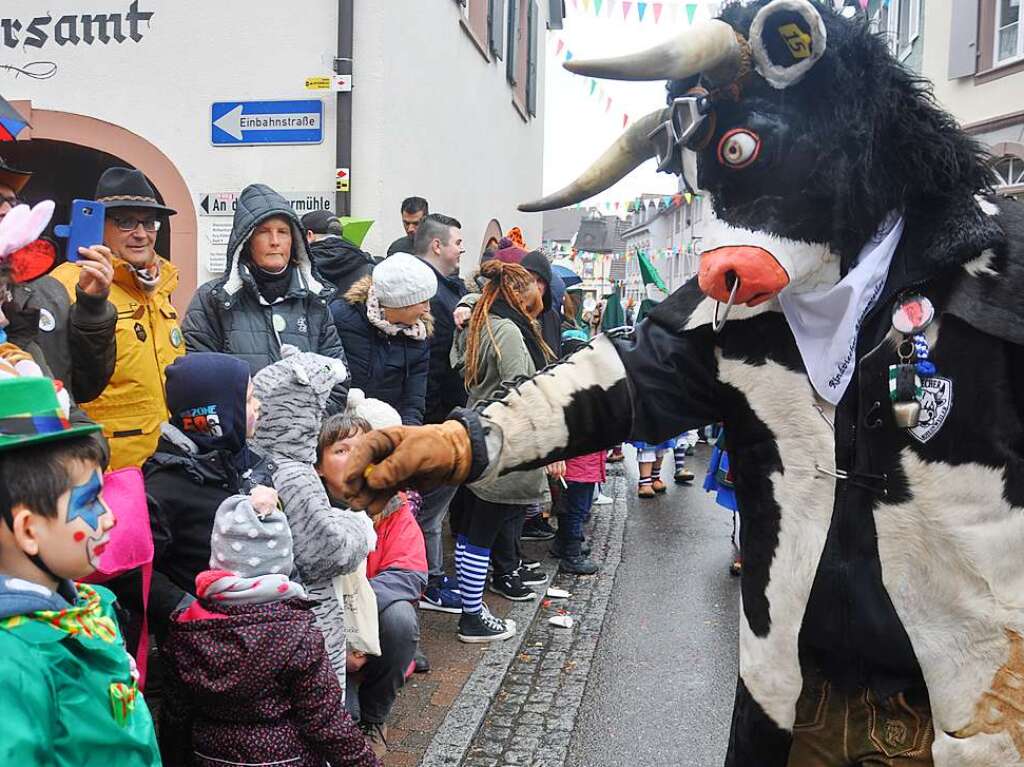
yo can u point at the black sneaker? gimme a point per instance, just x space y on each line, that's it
537 529
577 566
529 564
477 628
532 577
511 587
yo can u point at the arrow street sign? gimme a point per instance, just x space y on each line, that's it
241 123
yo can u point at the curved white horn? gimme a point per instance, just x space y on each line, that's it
711 48
629 150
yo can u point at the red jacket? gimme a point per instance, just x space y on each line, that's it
397 568
586 468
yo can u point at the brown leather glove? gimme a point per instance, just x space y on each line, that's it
421 457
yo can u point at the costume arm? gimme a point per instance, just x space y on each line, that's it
650 383
28 702
92 326
328 541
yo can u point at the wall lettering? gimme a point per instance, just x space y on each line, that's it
75 29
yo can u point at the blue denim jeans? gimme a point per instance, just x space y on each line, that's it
577 498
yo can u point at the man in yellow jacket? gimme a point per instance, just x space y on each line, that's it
148 338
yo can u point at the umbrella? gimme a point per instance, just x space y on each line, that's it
569 277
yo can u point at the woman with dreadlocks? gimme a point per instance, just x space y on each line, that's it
501 342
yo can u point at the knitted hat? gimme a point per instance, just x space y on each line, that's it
508 252
206 399
247 545
379 414
403 280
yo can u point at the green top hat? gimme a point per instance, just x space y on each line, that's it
354 229
30 413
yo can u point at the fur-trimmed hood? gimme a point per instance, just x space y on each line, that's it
256 204
357 294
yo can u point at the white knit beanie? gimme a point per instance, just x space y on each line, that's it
377 413
403 280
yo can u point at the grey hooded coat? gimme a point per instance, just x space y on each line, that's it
229 315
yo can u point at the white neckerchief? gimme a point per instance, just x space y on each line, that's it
826 322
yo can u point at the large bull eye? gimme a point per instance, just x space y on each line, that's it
739 148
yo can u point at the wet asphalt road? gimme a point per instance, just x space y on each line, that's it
662 683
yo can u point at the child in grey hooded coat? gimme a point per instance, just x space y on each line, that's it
329 542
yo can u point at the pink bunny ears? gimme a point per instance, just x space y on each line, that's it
23 225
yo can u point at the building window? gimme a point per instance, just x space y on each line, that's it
496 27
531 59
475 20
1009 40
1009 172
901 22
512 59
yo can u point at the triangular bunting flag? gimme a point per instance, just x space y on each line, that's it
593 86
608 105
641 9
666 200
597 7
586 5
558 46
688 197
611 8
657 12
863 5
616 205
568 55
626 5
691 11
625 120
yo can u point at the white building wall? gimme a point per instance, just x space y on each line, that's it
433 118
192 53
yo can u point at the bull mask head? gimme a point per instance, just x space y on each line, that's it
731 119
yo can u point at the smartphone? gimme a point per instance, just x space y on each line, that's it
86 227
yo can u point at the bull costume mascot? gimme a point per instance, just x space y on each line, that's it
858 325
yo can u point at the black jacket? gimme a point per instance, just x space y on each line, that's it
77 340
184 489
389 368
229 315
445 388
340 262
858 536
401 245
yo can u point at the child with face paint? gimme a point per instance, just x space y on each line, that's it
204 456
68 688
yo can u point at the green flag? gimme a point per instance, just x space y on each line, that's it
614 316
691 11
649 273
354 229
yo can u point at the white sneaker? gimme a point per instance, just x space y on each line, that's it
602 499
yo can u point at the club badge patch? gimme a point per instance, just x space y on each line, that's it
936 402
46 321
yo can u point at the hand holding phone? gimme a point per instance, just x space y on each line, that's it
86 227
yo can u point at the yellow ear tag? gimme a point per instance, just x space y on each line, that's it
369 470
798 41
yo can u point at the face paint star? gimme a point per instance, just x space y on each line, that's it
87 503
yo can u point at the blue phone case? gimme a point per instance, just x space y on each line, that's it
86 227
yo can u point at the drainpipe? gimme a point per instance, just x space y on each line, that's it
343 66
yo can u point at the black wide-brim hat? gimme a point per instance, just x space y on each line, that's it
12 177
128 188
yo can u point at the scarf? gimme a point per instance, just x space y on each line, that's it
826 322
84 618
147 277
527 328
271 285
223 586
375 314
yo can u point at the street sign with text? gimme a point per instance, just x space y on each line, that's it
242 123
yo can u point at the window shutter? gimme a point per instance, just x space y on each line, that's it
513 36
963 39
531 59
496 27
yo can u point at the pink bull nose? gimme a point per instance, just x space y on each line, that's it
760 275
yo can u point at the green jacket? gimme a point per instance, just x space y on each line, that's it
511 359
64 688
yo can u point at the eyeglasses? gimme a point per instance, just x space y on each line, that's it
129 224
12 201
686 128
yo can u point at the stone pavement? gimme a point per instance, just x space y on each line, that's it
463 711
530 719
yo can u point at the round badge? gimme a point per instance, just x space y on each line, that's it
279 323
175 337
46 321
913 314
